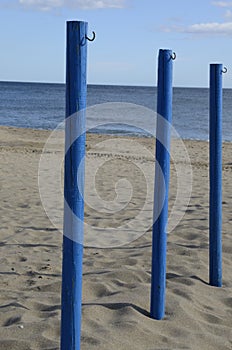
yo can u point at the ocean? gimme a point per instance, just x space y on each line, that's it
112 109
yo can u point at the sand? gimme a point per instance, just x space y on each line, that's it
116 280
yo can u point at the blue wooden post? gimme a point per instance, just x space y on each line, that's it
162 169
74 203
215 207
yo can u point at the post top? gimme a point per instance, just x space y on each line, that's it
75 21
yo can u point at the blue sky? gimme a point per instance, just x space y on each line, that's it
129 34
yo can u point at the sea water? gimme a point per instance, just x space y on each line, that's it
112 109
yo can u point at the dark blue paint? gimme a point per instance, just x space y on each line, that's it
215 212
162 170
76 91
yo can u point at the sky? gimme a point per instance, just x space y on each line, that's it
129 34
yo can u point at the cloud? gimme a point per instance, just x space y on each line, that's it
42 5
211 28
48 5
222 3
207 28
228 14
226 5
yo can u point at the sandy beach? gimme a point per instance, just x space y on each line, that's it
116 278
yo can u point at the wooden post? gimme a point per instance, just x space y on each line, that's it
215 207
76 90
162 169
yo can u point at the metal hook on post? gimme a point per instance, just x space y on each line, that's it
173 56
224 70
92 39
